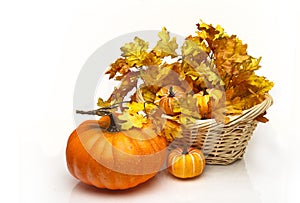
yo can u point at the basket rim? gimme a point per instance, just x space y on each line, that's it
254 111
248 114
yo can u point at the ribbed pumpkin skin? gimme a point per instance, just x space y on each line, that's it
186 165
166 102
204 105
110 159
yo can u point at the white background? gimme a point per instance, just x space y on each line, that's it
44 44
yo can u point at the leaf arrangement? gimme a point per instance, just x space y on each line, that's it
213 69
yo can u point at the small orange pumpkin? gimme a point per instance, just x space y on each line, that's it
186 163
167 98
113 159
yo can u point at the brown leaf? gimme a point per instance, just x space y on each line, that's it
262 118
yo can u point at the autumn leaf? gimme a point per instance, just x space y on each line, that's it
155 75
135 107
235 106
103 104
219 75
128 83
119 66
189 111
216 94
171 130
150 107
166 46
262 118
155 117
252 64
135 52
129 121
132 116
229 54
203 74
221 32
151 59
192 48
209 33
148 93
236 67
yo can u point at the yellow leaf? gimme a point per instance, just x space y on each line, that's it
101 103
135 52
221 32
166 46
189 111
132 120
253 64
185 119
209 33
202 35
149 107
133 115
156 75
203 25
171 130
135 107
191 47
216 94
148 93
151 59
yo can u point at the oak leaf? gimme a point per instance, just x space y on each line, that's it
166 46
171 130
131 117
135 52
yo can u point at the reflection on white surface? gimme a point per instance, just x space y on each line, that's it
266 164
217 184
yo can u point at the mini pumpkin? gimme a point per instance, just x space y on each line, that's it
109 158
204 105
167 98
186 163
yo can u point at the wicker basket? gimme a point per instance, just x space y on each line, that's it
222 144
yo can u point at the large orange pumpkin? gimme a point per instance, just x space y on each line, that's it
108 158
167 98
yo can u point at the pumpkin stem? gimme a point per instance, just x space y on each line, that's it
185 149
113 127
171 92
